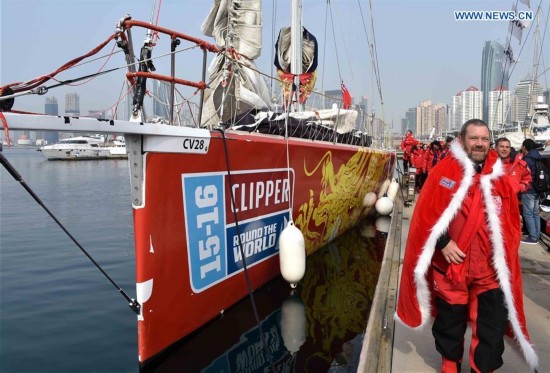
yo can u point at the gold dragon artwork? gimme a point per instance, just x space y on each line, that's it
338 203
338 288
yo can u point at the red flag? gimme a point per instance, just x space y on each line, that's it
346 97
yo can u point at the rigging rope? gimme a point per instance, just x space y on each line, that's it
348 59
541 56
334 39
156 33
324 51
273 23
375 54
372 50
132 303
98 70
31 84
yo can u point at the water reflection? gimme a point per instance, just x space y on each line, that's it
316 328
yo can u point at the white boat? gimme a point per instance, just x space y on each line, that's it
117 149
541 123
84 148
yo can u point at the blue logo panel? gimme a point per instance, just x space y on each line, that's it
205 219
259 240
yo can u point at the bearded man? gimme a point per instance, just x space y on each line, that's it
462 257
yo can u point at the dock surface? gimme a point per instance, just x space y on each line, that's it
399 349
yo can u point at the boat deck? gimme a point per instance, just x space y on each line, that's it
393 348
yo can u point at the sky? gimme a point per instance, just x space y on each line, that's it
423 52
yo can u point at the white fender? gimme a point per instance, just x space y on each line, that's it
292 254
384 206
383 224
370 199
393 189
293 323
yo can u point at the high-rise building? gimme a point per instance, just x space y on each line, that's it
499 107
493 75
526 96
546 95
161 103
424 118
72 104
410 117
455 113
51 108
363 105
440 118
466 105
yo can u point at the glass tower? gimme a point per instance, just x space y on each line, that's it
493 76
51 108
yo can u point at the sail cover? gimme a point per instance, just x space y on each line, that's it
309 63
235 86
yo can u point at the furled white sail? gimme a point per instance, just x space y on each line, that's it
309 44
235 86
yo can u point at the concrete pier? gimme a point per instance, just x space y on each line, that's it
390 347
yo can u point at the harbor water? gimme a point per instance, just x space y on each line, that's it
59 314
57 311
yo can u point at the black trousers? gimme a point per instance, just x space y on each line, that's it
489 321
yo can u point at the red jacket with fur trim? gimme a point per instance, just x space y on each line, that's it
439 202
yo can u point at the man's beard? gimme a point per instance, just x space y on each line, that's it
478 153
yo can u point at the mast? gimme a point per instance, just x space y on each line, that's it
296 50
530 102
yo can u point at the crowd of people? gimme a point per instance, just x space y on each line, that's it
461 262
422 156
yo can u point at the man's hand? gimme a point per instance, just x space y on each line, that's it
452 253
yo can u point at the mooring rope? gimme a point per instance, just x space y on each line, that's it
134 305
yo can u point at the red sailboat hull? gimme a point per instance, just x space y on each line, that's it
189 233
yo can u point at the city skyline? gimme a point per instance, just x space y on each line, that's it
423 52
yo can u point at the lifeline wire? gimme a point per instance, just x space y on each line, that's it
134 305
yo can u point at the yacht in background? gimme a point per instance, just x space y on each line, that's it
541 123
84 148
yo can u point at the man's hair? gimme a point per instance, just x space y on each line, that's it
471 122
501 139
449 139
529 144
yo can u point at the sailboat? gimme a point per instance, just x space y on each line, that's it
211 200
535 125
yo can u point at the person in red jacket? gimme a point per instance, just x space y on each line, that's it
446 147
422 166
408 142
462 257
417 161
432 157
514 165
